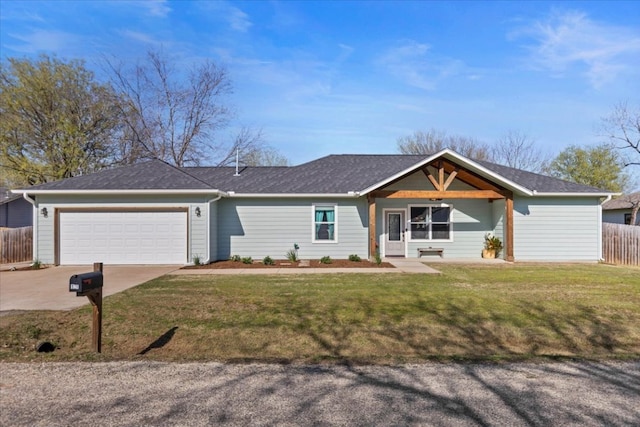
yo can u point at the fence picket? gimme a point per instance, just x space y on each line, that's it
16 245
620 244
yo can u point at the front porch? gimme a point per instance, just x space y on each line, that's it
442 207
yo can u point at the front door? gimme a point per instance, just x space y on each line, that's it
394 233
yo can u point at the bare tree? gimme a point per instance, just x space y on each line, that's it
517 150
622 128
634 203
432 141
177 115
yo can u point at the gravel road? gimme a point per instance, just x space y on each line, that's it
166 394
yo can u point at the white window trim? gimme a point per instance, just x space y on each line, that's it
430 205
313 223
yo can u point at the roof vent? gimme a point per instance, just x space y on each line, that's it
237 162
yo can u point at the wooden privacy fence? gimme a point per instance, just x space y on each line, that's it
16 245
621 244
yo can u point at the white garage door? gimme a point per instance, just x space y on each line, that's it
123 237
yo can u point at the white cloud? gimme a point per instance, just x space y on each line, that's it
235 17
139 37
238 20
159 8
567 39
413 63
44 40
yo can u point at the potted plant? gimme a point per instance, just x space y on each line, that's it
492 246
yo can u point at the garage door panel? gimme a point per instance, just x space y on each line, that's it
123 237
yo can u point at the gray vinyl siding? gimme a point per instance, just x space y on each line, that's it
270 227
471 220
616 216
198 235
556 229
213 231
498 211
44 242
16 213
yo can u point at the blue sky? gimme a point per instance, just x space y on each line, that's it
351 77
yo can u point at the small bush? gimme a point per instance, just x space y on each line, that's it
196 260
292 255
325 260
268 261
247 260
36 264
378 257
354 257
235 258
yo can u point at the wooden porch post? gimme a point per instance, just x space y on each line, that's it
509 227
372 226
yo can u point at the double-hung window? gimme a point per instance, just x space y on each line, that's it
430 222
324 223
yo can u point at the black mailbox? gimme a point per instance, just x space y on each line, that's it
85 282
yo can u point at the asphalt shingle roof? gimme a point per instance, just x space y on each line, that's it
621 202
330 174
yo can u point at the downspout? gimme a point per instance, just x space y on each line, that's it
600 242
34 220
209 202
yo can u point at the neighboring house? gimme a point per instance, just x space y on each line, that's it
15 211
154 213
619 210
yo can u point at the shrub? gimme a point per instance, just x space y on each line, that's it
378 257
196 260
325 260
354 257
235 258
36 264
292 255
268 261
247 260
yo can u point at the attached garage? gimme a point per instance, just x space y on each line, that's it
122 237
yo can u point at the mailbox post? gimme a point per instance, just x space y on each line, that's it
90 285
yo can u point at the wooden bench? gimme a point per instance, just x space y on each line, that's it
439 251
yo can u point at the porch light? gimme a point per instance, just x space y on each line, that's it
44 212
198 213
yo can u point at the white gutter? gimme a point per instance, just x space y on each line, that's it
294 195
608 195
600 242
34 220
209 202
118 192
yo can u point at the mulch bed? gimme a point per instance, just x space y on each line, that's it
335 263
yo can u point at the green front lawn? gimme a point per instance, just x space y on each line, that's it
505 312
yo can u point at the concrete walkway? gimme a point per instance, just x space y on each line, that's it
401 266
48 288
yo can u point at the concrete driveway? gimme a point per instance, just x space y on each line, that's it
48 288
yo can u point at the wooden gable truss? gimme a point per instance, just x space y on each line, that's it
447 172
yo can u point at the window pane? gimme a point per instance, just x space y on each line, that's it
418 214
419 231
324 232
394 227
440 231
325 217
440 214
